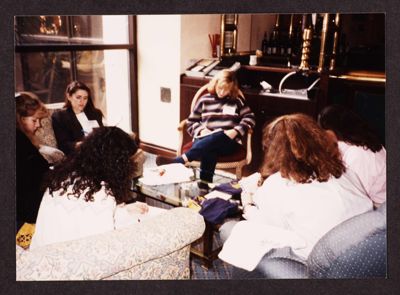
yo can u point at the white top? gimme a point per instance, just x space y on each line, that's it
293 214
63 218
370 167
87 125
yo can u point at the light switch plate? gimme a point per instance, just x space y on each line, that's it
165 94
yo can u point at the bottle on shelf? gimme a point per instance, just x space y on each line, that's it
274 41
264 44
282 46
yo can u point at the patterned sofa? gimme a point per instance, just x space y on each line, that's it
157 248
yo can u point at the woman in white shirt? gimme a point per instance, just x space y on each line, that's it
86 192
304 191
361 149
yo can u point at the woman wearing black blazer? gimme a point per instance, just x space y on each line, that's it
77 118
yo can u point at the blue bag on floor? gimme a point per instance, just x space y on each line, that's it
215 210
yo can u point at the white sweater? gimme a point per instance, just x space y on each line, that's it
62 218
370 167
293 214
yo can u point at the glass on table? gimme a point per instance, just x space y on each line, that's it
187 192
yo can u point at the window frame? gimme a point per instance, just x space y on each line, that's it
73 47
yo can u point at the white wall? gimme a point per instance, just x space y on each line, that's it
159 56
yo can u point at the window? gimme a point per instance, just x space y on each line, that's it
99 50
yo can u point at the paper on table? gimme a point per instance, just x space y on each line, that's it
218 194
166 174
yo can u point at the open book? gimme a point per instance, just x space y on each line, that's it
212 132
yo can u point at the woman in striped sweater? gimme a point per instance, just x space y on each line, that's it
217 123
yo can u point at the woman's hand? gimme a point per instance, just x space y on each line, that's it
231 133
137 208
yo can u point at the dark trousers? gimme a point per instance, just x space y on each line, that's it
208 149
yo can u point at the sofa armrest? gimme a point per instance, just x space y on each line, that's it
102 256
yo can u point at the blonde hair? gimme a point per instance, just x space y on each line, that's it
27 104
228 77
300 150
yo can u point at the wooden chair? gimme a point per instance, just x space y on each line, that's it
235 161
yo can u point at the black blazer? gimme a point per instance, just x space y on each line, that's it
30 170
67 128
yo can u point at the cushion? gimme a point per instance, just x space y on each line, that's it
355 248
236 157
281 263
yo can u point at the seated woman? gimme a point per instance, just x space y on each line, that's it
361 149
304 192
86 192
217 123
30 164
77 119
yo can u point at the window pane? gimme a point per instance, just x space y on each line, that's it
41 29
82 29
90 70
107 75
44 73
100 29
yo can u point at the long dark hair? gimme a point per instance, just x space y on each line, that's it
73 87
105 155
300 150
349 127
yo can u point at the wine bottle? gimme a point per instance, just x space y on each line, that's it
264 44
274 42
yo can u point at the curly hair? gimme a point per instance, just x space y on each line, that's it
349 127
300 150
228 77
105 155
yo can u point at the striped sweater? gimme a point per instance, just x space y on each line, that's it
226 113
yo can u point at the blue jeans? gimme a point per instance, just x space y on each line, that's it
208 149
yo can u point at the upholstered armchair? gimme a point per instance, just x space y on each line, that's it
356 248
154 249
236 161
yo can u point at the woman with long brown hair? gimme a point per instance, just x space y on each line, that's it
304 192
78 117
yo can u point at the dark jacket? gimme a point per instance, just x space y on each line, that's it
30 170
68 130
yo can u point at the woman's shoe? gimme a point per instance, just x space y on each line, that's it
161 160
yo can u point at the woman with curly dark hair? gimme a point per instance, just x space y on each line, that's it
78 117
361 149
304 192
86 192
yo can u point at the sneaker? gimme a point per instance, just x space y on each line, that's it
161 160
